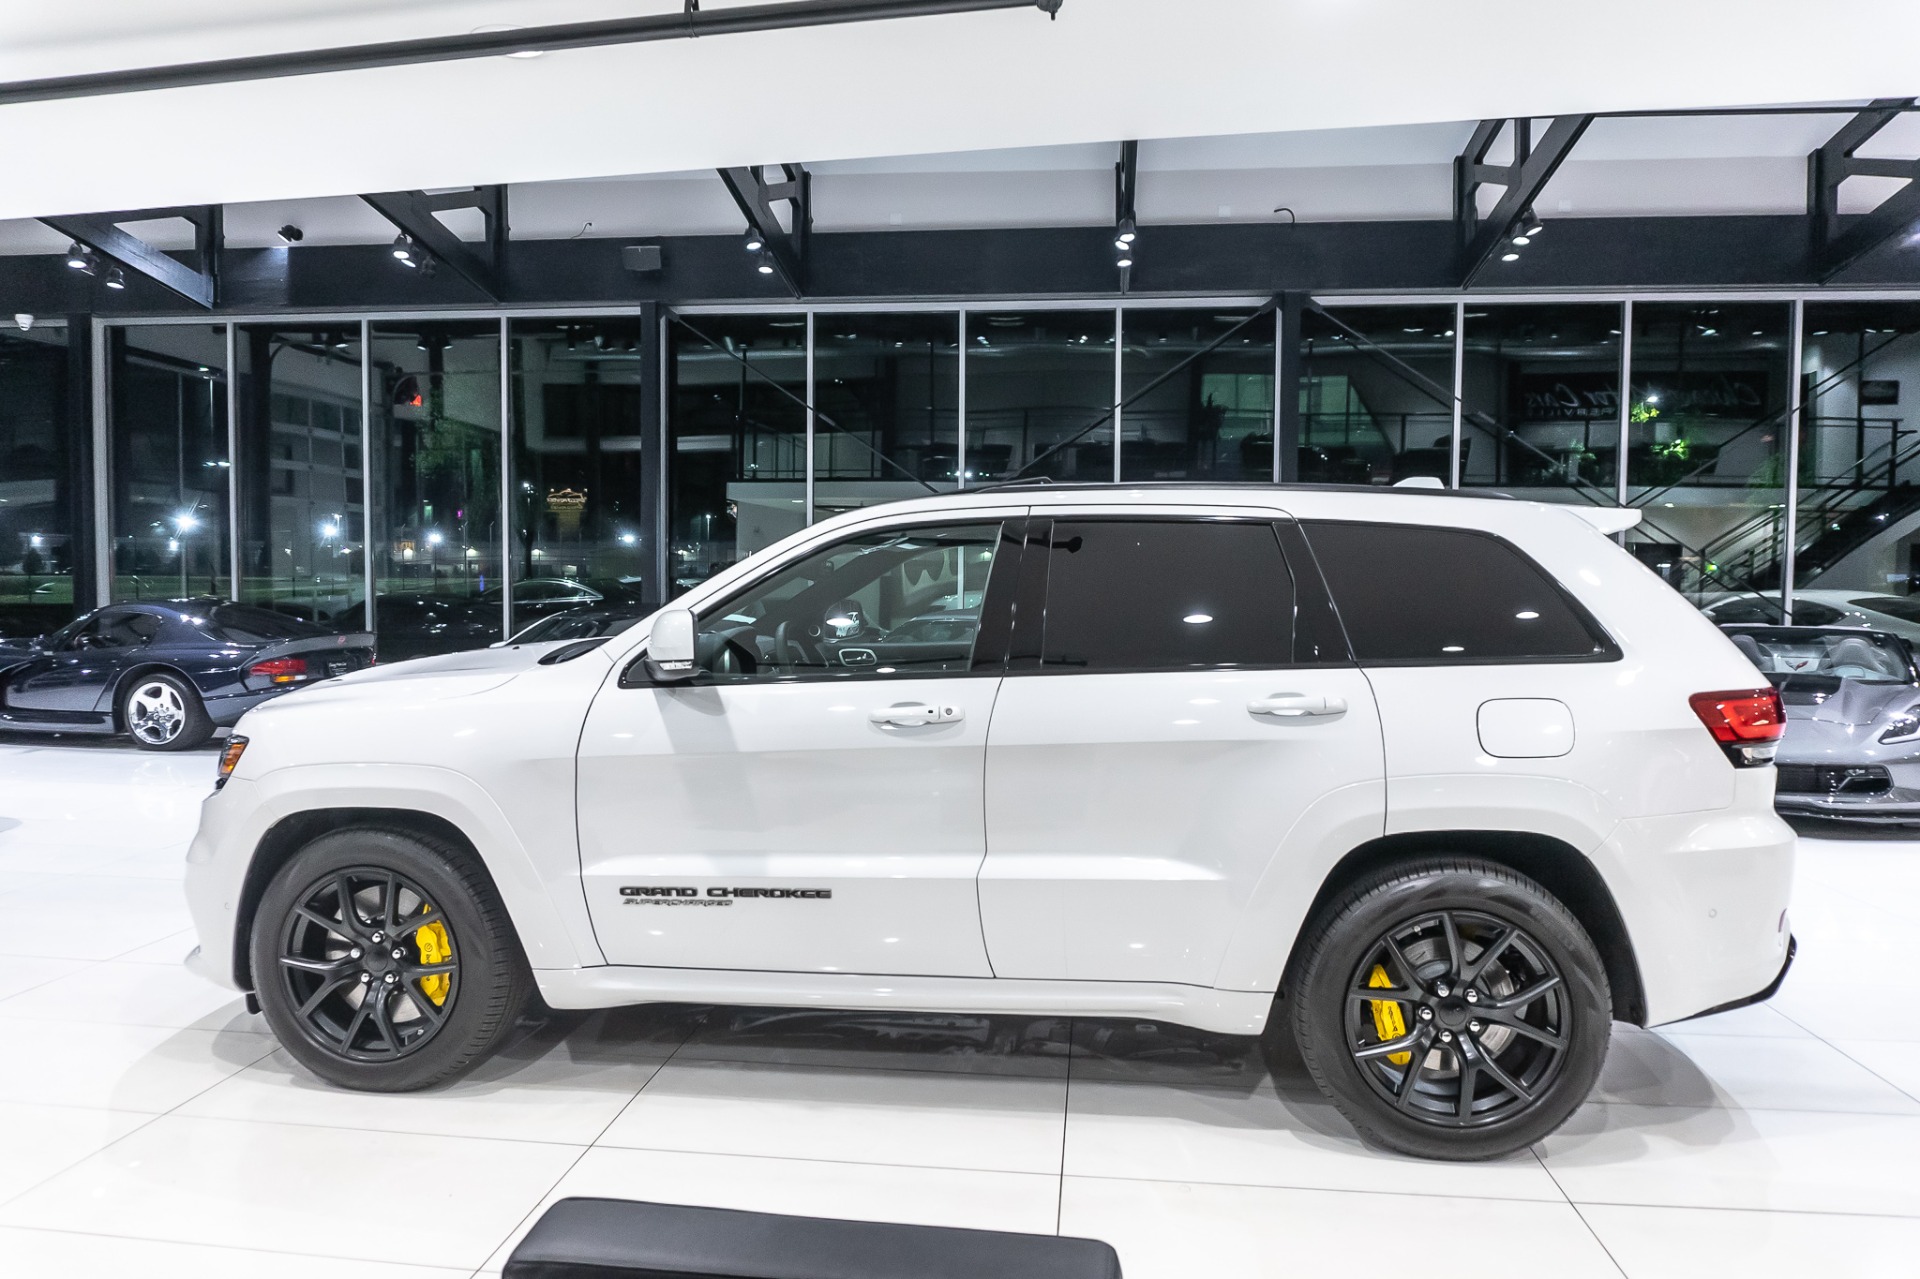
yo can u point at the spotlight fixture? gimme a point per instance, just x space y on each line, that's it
1126 233
116 278
1529 223
1125 259
755 241
1509 257
291 234
82 259
765 267
406 250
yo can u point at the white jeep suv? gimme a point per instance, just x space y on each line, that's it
1450 782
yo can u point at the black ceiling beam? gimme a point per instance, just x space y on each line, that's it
1838 243
103 232
413 212
786 249
1522 179
780 16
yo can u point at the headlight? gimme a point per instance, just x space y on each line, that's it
229 759
1902 726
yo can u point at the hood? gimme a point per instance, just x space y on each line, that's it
1833 700
449 675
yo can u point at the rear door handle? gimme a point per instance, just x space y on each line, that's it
916 714
1299 705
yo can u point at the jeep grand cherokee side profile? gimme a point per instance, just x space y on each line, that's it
1448 783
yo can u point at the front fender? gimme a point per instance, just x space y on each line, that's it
235 821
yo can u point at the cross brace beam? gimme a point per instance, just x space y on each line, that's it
756 196
413 212
1523 179
102 231
1836 246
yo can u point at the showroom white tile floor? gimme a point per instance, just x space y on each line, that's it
148 1125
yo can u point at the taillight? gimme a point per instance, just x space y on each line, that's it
1747 723
280 670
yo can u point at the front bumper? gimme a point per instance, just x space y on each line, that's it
1896 807
1772 989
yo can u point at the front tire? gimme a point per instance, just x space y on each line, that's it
163 712
1495 1016
384 961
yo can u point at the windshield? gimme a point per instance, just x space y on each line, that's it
1792 652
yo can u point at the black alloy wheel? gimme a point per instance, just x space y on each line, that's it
1450 1008
1457 1019
369 964
384 959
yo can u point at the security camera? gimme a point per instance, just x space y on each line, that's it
24 320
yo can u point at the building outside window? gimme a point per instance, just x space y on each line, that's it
887 387
1541 400
37 479
1199 395
169 468
1376 394
1040 395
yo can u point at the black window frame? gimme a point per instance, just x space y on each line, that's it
1313 618
1607 649
989 643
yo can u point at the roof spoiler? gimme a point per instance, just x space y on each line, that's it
1608 519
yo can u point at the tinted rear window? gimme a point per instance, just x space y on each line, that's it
1166 595
1436 596
243 624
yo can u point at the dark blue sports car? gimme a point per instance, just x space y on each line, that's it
166 674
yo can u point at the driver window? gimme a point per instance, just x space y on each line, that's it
892 602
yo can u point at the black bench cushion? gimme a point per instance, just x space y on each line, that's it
621 1239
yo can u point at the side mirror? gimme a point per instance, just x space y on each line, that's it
670 648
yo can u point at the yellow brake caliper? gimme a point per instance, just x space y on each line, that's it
436 948
1388 1021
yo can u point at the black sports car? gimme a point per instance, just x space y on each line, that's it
166 674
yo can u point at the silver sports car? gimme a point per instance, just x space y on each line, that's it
1852 746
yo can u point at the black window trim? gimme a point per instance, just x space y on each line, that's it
1607 648
1028 647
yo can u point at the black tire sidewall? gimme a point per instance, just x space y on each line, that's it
196 729
1344 934
489 989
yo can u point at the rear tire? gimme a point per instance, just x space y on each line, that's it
163 712
354 980
1497 994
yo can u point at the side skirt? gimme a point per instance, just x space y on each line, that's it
1227 1012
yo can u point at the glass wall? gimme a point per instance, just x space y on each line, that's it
887 391
1706 442
37 481
438 555
1040 395
169 467
1376 394
737 431
1858 539
579 464
302 518
1199 395
1540 391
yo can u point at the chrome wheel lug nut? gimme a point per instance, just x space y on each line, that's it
1473 996
1443 990
398 953
354 953
1474 1026
365 978
389 979
1446 1036
1426 1014
378 938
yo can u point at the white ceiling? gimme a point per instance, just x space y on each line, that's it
1301 73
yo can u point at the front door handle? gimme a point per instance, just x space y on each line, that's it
916 714
1299 705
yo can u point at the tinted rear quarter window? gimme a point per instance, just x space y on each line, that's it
242 624
1134 595
1410 594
